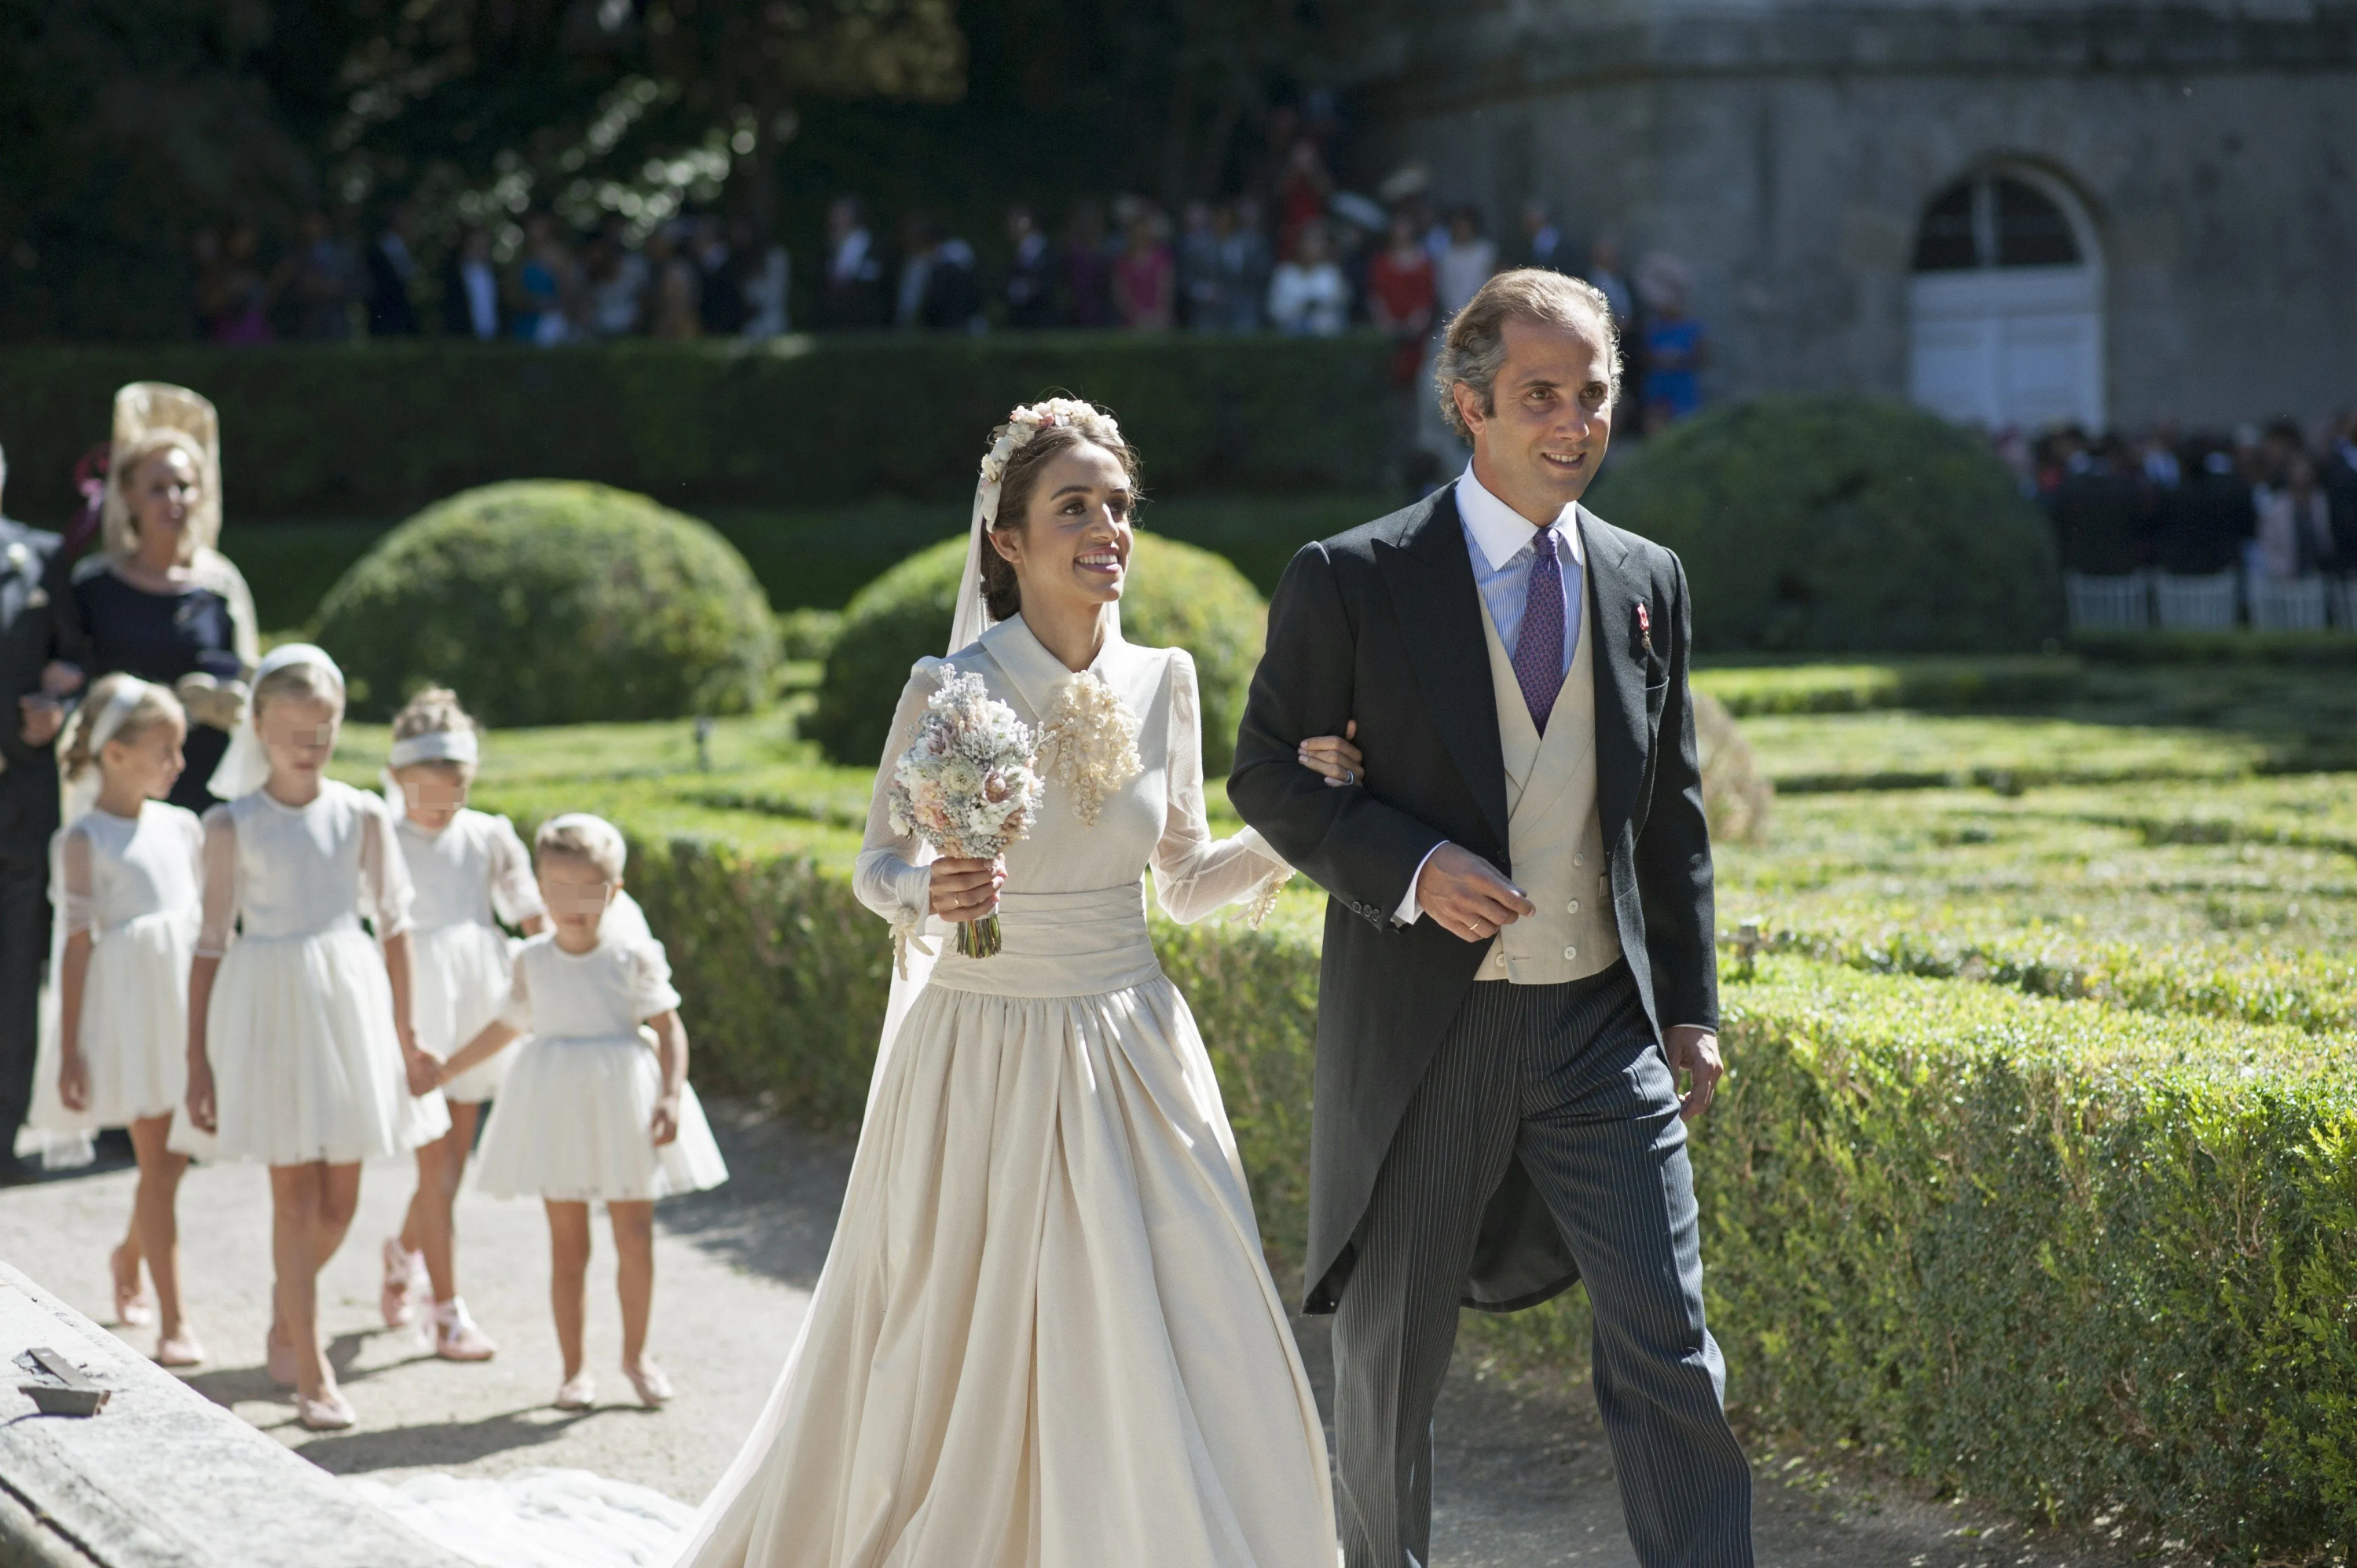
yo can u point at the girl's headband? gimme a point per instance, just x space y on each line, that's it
110 719
245 765
436 746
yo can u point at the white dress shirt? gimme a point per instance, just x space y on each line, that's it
1504 547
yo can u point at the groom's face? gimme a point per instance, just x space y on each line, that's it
1539 445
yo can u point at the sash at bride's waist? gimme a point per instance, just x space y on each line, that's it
1057 944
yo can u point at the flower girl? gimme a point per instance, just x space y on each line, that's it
464 866
300 1052
128 866
588 1113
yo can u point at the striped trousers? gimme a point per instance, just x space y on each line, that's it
1570 1079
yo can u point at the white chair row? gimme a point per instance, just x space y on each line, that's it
2216 602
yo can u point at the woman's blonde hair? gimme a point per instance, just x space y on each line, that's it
306 680
122 524
153 705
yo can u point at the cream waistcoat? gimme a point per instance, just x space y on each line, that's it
1553 835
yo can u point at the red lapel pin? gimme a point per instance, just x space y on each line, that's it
1645 628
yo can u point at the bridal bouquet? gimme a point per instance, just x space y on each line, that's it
968 785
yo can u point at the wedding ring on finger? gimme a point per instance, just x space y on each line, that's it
1349 776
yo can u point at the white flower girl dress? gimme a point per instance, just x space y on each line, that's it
460 965
132 883
1045 1336
574 1119
305 1062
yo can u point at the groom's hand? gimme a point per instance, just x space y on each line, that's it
1694 1050
1468 897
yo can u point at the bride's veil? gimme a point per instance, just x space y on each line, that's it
970 619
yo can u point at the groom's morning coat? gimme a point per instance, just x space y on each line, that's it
1383 625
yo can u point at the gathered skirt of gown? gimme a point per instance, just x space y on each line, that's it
1045 1336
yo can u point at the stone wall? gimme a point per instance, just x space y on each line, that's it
1786 149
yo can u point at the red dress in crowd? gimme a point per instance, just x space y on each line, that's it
1400 297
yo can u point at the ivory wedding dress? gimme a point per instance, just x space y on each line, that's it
1045 1336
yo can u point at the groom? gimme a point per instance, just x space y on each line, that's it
1519 945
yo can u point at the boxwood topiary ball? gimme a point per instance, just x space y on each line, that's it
545 602
1839 525
1178 596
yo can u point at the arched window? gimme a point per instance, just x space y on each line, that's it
2006 304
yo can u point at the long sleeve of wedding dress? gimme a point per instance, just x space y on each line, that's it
888 877
1194 874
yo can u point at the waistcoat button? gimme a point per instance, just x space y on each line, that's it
1579 859
1571 952
1573 908
1501 958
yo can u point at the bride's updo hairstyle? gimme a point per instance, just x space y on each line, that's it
1056 426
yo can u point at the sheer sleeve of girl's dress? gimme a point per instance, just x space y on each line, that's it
386 892
889 876
77 903
1195 873
219 883
515 894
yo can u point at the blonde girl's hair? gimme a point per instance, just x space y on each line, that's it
434 711
122 528
153 705
304 680
583 837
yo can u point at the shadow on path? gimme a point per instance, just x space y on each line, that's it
775 1214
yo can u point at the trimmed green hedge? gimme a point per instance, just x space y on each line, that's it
1179 596
548 602
318 431
1842 524
2065 1257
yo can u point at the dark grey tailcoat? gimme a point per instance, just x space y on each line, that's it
1383 625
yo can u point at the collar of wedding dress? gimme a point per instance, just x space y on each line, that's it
1037 674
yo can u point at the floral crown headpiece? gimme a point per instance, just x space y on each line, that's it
1024 424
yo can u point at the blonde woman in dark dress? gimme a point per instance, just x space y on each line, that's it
162 602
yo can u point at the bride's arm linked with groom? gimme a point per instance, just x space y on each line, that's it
1520 957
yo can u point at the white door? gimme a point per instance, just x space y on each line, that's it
2005 309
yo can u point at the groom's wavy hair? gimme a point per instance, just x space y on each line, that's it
1474 348
1000 591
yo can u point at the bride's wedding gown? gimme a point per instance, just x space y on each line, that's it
1045 1336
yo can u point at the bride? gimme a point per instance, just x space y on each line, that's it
1045 1336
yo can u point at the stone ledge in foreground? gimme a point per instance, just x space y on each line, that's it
162 1475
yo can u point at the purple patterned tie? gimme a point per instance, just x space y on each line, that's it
1538 653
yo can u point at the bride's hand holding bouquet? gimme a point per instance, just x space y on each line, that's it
969 786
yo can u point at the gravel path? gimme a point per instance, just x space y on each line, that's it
1522 1482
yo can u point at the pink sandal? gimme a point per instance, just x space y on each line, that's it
404 1281
455 1338
134 1307
654 1387
330 1412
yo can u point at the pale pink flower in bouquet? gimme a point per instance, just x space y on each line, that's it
968 785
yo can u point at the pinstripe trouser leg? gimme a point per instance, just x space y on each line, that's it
1569 1077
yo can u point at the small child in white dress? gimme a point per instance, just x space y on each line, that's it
128 864
466 867
300 1049
589 1113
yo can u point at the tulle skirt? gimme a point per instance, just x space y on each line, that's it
134 1031
306 1064
573 1122
458 979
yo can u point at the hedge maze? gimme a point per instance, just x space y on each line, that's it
2036 1175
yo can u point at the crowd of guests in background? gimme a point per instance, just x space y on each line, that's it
690 276
2267 501
1293 254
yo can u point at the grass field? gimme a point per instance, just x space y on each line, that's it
2159 865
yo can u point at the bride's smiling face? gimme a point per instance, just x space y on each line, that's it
1074 547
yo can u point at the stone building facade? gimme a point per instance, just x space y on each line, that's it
2018 211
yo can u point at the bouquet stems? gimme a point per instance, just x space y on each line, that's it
978 938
